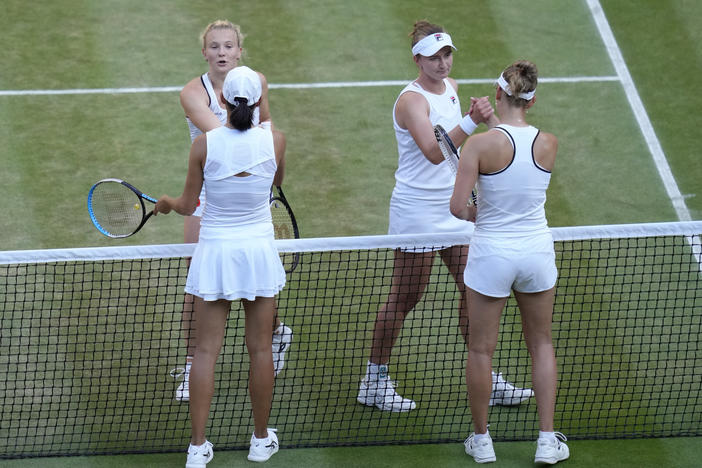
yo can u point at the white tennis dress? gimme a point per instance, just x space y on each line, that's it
420 201
512 245
235 256
221 114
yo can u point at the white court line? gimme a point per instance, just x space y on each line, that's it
654 145
637 107
332 84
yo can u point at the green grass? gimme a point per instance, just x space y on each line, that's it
680 452
341 148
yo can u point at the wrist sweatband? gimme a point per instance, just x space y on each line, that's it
467 124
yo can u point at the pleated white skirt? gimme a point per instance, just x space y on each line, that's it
229 265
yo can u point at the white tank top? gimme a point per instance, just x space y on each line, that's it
414 171
215 108
511 201
236 203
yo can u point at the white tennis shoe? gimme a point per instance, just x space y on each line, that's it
506 394
551 451
482 451
199 455
381 394
263 449
282 338
182 392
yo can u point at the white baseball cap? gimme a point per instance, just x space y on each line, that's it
242 82
432 43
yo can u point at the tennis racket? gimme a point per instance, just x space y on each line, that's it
117 208
285 227
448 149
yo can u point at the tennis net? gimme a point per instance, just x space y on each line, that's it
89 337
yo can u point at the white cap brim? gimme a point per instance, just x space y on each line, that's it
433 43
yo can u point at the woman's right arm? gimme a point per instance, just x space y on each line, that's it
195 103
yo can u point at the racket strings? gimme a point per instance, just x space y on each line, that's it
117 208
284 228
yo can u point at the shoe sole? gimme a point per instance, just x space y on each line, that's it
372 404
483 460
508 401
262 459
549 461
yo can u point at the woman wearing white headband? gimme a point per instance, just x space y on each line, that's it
511 250
235 257
420 204
205 109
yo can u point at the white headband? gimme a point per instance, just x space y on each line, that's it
431 44
505 87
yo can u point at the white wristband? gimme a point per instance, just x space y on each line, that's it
467 125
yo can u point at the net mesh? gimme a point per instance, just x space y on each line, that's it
89 337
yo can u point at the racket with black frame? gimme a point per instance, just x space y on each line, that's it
450 153
117 208
285 226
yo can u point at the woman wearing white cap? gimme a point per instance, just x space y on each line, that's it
420 204
511 250
235 257
201 99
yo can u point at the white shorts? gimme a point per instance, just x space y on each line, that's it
495 267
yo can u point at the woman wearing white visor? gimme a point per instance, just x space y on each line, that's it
420 204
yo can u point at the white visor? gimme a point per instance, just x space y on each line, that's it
502 83
432 44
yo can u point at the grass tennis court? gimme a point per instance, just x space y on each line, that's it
341 149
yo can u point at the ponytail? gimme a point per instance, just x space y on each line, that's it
240 115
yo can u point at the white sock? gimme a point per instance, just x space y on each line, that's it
551 436
188 364
196 447
479 437
279 330
376 371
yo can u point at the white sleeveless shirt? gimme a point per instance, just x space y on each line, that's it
511 201
238 205
414 171
221 114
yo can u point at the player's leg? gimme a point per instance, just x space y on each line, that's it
259 315
411 272
484 318
504 393
537 313
212 321
191 232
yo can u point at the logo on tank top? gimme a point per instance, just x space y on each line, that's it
453 100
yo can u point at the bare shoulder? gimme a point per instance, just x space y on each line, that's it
411 101
193 91
545 149
481 142
264 82
454 83
547 141
411 107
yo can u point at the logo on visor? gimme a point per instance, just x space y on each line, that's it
438 37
